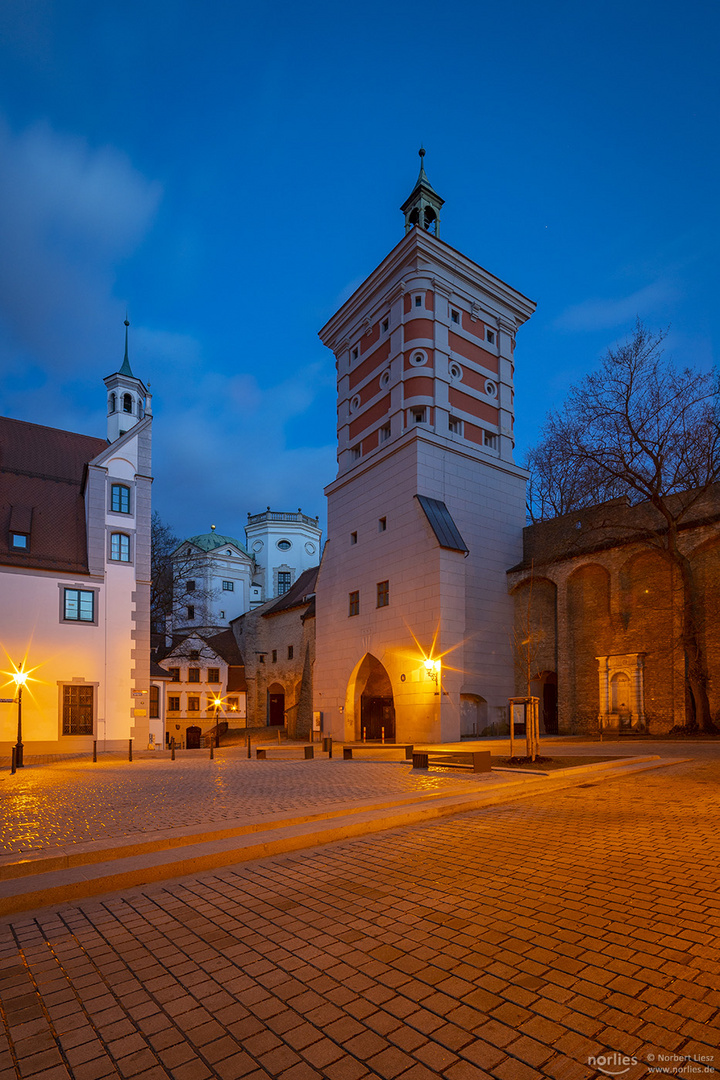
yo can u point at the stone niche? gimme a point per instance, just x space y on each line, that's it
622 692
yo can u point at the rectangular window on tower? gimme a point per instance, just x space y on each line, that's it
354 603
455 425
228 586
383 593
284 582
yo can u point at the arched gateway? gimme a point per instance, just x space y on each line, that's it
370 701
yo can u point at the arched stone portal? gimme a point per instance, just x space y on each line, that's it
276 705
370 701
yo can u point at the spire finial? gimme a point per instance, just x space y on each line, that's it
126 369
421 151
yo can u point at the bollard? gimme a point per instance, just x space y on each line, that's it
330 747
382 734
327 747
129 749
212 749
172 749
13 760
363 734
94 749
278 736
309 752
249 750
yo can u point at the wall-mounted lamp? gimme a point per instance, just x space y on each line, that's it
432 669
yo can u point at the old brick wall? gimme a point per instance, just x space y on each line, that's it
616 593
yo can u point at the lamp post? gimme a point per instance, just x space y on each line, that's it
19 679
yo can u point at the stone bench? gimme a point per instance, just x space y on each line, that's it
473 760
262 751
348 750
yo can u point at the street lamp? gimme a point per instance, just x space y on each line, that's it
19 678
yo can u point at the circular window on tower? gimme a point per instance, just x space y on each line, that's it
385 379
455 372
257 545
310 548
355 403
490 389
418 358
284 545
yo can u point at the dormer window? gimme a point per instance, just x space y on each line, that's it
127 403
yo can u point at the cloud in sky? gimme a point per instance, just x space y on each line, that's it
604 314
68 213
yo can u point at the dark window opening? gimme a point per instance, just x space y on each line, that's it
78 710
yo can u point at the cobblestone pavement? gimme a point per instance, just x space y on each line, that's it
562 937
75 801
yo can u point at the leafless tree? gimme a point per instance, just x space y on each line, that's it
641 428
177 578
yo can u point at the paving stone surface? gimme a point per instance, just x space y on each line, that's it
75 801
57 803
572 935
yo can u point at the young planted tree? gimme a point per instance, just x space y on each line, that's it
643 429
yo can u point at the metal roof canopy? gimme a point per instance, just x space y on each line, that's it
446 531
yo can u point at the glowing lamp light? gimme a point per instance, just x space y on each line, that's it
20 678
432 668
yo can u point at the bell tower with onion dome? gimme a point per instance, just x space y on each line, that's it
414 623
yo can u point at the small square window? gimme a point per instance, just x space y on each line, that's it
291 652
385 433
455 425
189 586
194 674
418 416
228 586
382 524
193 704
385 324
353 538
355 453
354 603
19 541
173 704
120 499
274 656
174 673
490 440
490 335
213 674
383 593
455 315
79 605
261 658
194 654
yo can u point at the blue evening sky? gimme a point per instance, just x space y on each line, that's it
230 171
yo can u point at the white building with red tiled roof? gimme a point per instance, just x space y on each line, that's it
75 578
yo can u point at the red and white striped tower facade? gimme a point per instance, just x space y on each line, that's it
414 623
